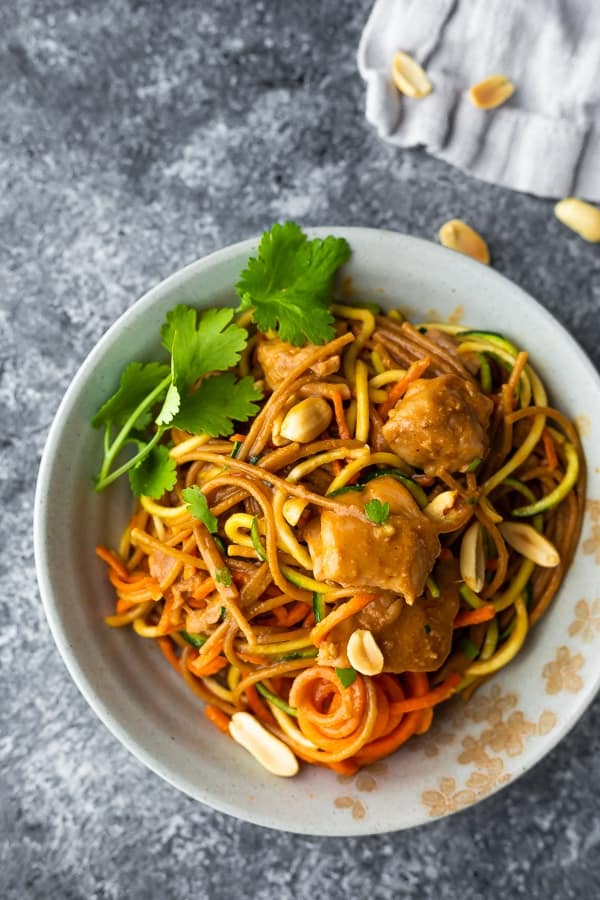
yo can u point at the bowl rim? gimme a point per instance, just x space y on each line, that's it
69 655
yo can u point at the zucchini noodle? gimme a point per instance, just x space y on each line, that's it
248 611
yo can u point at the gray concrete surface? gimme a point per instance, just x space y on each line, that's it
135 137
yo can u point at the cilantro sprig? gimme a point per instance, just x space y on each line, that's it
377 512
288 287
197 504
194 393
288 284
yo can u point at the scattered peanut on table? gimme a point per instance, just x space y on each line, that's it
493 91
457 235
582 217
409 77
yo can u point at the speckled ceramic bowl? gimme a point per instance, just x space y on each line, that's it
473 749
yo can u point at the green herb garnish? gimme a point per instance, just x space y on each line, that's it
377 512
288 284
346 676
198 506
194 393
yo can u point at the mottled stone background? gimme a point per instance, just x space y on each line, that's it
135 137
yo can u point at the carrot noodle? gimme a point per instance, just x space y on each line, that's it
550 450
475 616
113 562
209 668
415 371
168 652
431 698
343 430
342 612
245 615
217 717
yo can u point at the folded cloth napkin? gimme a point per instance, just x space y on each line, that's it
545 139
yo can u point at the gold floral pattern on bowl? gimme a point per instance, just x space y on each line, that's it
586 623
562 674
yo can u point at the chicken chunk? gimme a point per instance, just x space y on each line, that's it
277 360
440 423
396 556
413 638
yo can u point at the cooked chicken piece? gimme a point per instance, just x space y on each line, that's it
396 556
440 423
160 565
278 359
413 638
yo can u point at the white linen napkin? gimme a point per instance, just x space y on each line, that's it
545 139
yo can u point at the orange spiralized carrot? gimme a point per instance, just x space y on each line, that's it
112 560
217 717
166 624
296 613
207 668
474 616
430 698
383 714
383 746
203 590
329 715
409 724
260 709
340 416
137 581
168 652
343 767
390 684
347 609
549 450
426 720
415 371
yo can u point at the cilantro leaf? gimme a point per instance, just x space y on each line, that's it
346 676
224 576
170 406
377 512
198 506
198 347
217 401
137 382
289 282
154 475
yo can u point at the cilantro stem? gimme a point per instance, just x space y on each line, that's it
106 438
111 452
138 458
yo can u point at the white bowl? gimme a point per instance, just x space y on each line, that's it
473 749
